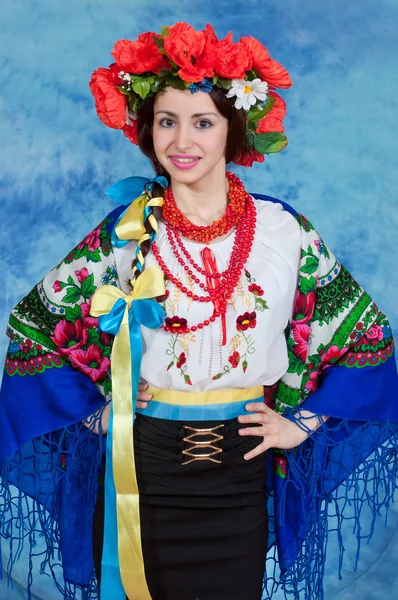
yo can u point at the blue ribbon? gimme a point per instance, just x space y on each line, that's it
148 313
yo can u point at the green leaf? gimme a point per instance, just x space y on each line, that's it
73 313
218 376
308 285
165 31
248 276
106 351
158 41
107 385
72 295
215 78
93 336
310 250
142 88
122 90
224 83
164 72
175 82
257 112
311 265
70 280
88 287
93 256
261 304
269 143
295 365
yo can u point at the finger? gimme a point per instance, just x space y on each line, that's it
256 451
142 385
257 418
260 407
252 431
142 404
144 396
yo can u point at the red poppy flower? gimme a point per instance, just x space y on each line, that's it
182 359
140 56
91 362
269 70
304 305
231 59
273 120
256 289
69 336
109 102
246 321
175 322
187 48
234 359
248 158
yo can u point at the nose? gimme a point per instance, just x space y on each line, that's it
183 138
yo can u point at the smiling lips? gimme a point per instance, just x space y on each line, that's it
184 161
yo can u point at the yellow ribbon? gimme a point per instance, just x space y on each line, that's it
131 225
149 285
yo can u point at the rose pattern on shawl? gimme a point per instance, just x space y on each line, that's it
92 241
304 305
91 362
301 335
95 244
375 333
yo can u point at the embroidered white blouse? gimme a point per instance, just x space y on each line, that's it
261 306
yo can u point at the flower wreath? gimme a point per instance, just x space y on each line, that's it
184 58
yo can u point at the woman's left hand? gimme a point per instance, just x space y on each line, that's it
276 431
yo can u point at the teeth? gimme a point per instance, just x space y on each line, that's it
185 160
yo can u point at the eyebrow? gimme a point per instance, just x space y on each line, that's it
171 114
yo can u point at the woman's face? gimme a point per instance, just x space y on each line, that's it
189 135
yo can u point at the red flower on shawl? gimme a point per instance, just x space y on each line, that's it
375 333
246 321
269 394
140 56
87 319
312 383
91 362
231 60
331 356
92 240
269 70
234 359
57 286
82 274
273 120
69 336
301 335
188 49
248 158
110 104
304 305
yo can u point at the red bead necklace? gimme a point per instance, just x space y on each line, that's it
204 234
223 283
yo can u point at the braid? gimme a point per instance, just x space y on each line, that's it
152 215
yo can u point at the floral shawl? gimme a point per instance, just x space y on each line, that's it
57 374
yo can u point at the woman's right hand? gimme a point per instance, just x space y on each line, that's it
143 397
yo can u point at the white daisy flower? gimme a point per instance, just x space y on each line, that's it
248 92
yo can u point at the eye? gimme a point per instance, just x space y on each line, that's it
167 122
204 124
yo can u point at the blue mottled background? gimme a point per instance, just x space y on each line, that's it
339 168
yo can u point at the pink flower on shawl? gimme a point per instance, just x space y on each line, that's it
375 333
57 286
331 356
301 335
92 240
87 319
69 336
91 362
312 383
304 305
82 274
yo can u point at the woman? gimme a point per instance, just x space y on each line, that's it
209 298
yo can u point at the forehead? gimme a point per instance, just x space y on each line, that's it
184 102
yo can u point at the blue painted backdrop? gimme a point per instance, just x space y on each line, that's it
339 168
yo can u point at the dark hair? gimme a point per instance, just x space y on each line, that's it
236 144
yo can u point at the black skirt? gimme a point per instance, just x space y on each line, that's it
203 523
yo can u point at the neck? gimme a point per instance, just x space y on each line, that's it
204 201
